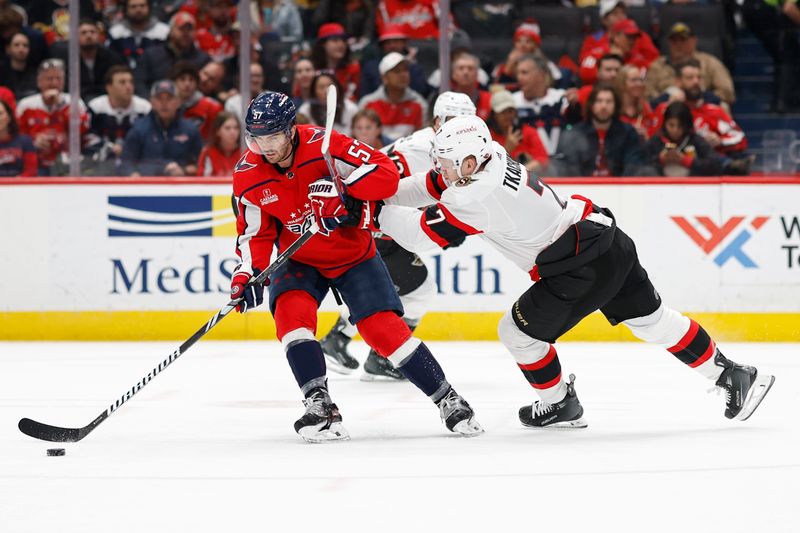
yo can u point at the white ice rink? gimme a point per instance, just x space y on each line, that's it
208 446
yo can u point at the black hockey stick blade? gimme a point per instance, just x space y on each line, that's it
40 431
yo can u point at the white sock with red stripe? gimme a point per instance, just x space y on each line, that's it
681 336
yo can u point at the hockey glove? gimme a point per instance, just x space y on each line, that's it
328 209
362 214
252 294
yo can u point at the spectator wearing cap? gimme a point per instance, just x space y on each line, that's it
418 19
356 16
602 145
95 60
520 140
393 40
401 109
162 143
682 47
331 52
17 70
158 60
112 116
217 39
279 18
464 79
136 32
527 40
45 117
541 106
618 37
195 107
608 68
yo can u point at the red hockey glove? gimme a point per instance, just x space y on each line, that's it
252 295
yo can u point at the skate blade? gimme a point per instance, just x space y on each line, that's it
755 395
580 423
336 366
366 376
333 433
468 428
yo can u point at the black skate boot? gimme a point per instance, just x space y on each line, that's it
334 346
743 386
457 415
377 368
568 413
322 421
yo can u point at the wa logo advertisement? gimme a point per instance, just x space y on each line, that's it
727 241
709 236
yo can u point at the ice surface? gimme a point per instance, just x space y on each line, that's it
208 446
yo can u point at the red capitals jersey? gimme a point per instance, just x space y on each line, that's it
710 118
596 46
274 206
35 118
219 46
202 113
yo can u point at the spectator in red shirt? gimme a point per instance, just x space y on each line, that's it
520 140
195 107
622 37
464 79
45 116
8 97
527 40
17 154
217 40
418 19
220 155
331 52
402 110
607 70
711 122
635 109
367 128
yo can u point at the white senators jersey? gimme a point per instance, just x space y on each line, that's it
515 212
412 154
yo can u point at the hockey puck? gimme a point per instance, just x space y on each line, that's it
56 452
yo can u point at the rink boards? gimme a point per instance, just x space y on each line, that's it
150 259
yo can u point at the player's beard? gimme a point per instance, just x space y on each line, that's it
282 154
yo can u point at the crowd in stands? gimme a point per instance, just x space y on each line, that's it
159 82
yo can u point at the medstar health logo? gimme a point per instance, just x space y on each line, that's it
711 237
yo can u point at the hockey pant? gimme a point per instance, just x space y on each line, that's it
615 283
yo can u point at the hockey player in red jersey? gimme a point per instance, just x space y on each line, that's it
281 186
577 257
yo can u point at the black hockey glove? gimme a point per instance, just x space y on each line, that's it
361 213
455 243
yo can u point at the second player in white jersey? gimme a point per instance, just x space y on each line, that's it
577 257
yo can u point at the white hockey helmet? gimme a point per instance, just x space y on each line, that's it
451 104
462 137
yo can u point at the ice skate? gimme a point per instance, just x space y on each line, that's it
744 388
334 346
568 413
458 416
321 421
377 368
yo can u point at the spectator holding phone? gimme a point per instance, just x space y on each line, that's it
676 150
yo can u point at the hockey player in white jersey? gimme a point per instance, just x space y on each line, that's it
415 286
577 257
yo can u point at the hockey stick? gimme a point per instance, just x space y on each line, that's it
47 432
330 116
